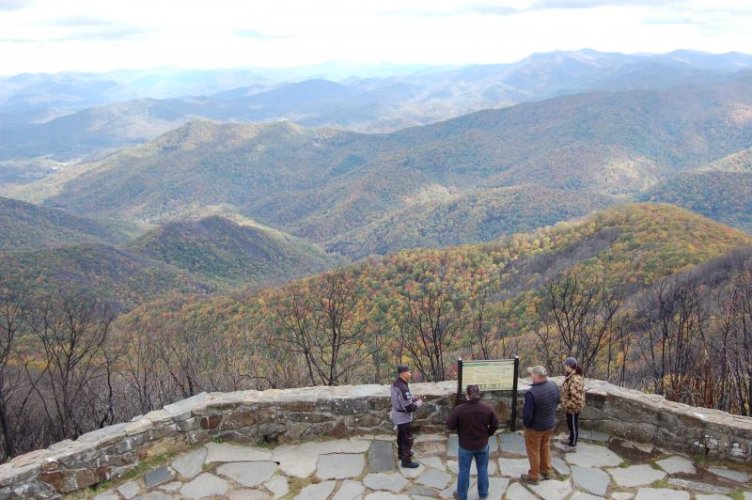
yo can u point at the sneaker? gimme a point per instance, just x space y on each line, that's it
568 449
525 478
410 465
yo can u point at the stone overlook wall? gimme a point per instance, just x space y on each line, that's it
319 412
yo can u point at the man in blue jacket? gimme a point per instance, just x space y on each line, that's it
539 419
404 404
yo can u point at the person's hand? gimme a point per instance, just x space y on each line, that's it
418 402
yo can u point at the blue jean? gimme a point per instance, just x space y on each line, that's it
481 464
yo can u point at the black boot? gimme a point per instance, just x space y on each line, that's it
409 464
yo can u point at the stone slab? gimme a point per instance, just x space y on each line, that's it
513 467
686 484
733 475
278 485
340 466
190 464
107 495
184 408
248 474
350 490
635 475
246 494
381 457
393 482
591 455
316 491
204 485
385 495
513 443
591 480
157 476
129 489
434 478
453 446
677 465
519 492
552 490
581 495
497 487
661 494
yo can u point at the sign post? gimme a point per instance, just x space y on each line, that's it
490 375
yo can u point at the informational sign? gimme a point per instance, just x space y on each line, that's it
490 375
496 375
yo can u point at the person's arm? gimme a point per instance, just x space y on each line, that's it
528 410
399 403
494 424
452 420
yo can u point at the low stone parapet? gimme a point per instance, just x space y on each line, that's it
279 416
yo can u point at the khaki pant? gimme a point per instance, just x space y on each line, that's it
538 447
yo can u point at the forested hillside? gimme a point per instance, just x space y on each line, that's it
320 184
29 227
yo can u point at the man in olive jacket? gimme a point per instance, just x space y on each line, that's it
539 419
475 421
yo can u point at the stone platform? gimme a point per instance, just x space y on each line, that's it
365 467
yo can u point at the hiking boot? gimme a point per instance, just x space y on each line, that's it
409 464
525 478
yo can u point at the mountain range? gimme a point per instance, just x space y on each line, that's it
209 206
74 115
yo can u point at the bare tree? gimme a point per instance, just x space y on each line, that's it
582 313
11 308
733 346
72 332
430 329
322 325
675 322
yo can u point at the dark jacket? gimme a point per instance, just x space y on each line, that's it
475 421
539 411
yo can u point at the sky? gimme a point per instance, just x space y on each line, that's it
101 35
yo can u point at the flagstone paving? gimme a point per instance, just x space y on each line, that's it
364 467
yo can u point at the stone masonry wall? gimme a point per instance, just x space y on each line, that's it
318 412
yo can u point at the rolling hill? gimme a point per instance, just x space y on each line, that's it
108 273
320 184
629 245
440 219
196 257
30 227
227 254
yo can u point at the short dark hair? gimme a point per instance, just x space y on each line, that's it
402 369
473 391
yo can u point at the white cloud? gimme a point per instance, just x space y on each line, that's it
54 35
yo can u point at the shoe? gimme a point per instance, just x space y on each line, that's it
410 465
546 476
568 449
525 478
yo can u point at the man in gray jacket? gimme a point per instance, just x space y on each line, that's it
404 404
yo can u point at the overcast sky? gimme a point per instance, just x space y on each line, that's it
101 35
